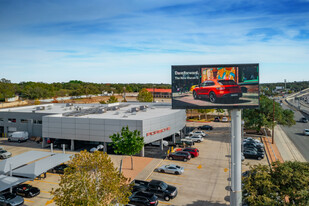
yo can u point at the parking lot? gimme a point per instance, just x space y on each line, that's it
205 180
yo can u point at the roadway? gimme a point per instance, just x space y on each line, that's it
295 132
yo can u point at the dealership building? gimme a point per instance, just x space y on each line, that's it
93 122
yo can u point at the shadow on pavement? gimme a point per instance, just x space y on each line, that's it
206 203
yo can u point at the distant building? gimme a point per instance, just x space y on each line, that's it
160 93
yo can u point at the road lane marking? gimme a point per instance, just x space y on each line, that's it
47 182
26 200
49 202
165 203
199 167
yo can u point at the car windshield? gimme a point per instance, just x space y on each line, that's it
163 185
306 130
227 82
8 196
2 151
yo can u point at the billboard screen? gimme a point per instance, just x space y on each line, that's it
215 86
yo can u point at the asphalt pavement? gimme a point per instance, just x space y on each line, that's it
295 132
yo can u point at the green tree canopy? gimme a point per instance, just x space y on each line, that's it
271 186
91 179
263 117
128 142
112 99
144 96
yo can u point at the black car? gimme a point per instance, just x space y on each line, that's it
157 187
26 190
253 154
217 119
205 127
251 146
59 169
303 119
143 198
11 199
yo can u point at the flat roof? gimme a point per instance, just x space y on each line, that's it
122 112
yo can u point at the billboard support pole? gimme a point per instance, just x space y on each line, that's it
236 192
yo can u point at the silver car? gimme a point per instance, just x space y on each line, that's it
5 154
172 169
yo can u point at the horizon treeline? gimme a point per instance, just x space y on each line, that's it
38 90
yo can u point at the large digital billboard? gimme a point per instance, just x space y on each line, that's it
223 86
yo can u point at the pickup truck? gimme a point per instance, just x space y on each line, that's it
157 187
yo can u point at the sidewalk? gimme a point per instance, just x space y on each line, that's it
283 149
286 147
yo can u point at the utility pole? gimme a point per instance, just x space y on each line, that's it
273 130
236 191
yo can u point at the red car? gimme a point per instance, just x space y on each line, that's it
216 89
179 155
193 151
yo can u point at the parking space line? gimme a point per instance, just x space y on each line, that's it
165 182
47 182
165 203
49 202
26 200
52 174
45 191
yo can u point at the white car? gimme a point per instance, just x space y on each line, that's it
157 143
224 119
172 169
306 131
98 148
5 154
195 138
196 133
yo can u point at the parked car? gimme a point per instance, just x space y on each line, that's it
251 146
306 131
59 169
250 153
171 168
195 138
217 119
141 198
303 119
224 119
250 139
5 154
205 127
256 145
157 187
193 151
97 148
180 155
20 136
196 133
218 89
11 199
26 190
157 143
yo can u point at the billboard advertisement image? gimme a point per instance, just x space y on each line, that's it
215 86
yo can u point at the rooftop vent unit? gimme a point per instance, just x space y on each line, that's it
49 107
116 113
40 108
143 107
115 108
125 116
133 113
69 104
134 109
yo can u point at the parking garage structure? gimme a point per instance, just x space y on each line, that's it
97 122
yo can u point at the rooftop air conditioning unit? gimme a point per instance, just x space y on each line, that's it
69 104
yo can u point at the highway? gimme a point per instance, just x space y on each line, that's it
295 133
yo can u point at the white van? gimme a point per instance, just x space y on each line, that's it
21 136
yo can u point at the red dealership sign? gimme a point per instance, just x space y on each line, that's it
158 131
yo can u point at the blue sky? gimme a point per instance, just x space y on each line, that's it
138 41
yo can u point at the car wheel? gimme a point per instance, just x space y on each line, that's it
176 173
19 141
170 158
185 159
259 158
198 141
195 95
162 171
212 97
167 198
9 140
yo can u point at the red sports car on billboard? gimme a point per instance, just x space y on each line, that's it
216 89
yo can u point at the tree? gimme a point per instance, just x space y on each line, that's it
272 186
128 142
220 110
263 117
205 111
112 99
144 96
91 179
